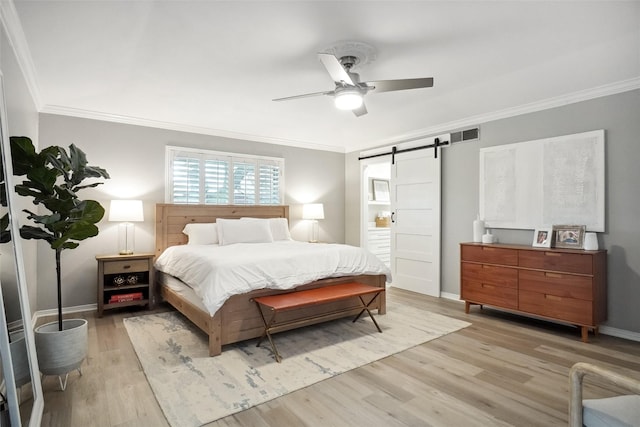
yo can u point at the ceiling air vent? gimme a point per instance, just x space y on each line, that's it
465 135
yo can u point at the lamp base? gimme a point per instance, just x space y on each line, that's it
313 231
126 238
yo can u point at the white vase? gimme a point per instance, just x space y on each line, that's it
478 229
590 242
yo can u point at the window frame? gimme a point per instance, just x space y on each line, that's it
171 152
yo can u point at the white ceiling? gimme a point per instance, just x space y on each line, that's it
214 66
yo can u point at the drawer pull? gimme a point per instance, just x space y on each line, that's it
488 286
555 254
486 267
552 297
553 275
125 267
484 248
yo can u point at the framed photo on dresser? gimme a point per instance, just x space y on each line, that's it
569 236
542 237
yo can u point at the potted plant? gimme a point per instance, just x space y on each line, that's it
53 179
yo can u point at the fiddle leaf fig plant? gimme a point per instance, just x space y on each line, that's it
53 179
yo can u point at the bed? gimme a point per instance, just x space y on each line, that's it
238 318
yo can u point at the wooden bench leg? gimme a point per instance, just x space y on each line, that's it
267 327
365 307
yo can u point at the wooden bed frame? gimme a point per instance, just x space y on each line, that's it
238 319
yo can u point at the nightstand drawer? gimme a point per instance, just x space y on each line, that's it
126 266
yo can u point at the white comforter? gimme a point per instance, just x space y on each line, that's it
217 272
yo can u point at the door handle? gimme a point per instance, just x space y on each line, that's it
393 214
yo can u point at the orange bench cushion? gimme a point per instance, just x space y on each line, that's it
291 300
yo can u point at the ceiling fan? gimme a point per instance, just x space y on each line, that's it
350 91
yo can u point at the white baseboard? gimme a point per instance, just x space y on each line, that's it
620 333
447 295
67 310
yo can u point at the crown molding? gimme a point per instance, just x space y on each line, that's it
18 42
95 115
545 104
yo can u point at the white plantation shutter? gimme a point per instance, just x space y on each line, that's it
210 177
216 182
269 183
186 180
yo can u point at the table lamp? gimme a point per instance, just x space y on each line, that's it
126 212
313 212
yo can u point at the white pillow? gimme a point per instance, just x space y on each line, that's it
235 231
201 234
279 227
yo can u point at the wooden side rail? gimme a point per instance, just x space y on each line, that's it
294 300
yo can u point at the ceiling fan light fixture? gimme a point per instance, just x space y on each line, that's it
348 100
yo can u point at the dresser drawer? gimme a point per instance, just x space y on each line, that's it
384 234
484 293
563 285
566 309
489 255
557 261
113 267
490 274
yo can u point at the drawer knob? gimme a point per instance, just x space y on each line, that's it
552 297
555 254
126 266
484 285
553 275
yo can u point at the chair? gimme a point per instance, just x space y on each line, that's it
612 411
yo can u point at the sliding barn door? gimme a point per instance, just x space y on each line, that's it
415 230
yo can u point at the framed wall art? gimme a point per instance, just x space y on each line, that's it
381 190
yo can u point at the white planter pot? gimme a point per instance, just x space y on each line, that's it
60 352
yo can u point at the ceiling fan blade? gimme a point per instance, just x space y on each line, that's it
402 84
306 95
360 111
335 69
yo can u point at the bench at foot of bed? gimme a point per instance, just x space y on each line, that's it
275 304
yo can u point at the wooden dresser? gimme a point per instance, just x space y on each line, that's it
560 284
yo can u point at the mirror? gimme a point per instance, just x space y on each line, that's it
25 401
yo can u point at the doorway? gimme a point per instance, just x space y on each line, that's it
410 243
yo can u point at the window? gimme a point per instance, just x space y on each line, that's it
216 178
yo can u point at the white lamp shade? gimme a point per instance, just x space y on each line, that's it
348 100
313 211
126 211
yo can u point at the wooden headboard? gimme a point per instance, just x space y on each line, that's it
171 219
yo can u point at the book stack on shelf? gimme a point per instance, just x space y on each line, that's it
135 296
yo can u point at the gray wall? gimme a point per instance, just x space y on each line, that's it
22 119
134 156
619 115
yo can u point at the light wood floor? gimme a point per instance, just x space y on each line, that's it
503 370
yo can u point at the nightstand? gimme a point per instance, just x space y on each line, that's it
125 280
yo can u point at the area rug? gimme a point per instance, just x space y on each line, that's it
193 388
